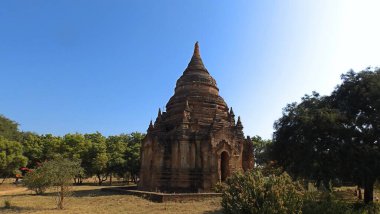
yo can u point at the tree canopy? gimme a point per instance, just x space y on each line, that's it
98 155
8 128
11 157
336 136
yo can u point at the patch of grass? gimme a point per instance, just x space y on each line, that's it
90 199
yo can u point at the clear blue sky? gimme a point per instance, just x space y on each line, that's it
107 66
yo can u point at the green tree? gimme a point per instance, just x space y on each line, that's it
38 180
305 142
57 173
62 172
358 100
261 150
96 158
9 129
50 147
75 147
336 136
33 148
116 147
132 154
11 157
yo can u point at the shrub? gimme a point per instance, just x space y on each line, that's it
38 180
58 173
325 204
7 204
328 204
253 192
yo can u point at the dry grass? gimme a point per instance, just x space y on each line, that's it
90 199
348 194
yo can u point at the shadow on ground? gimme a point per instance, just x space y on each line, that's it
16 209
86 193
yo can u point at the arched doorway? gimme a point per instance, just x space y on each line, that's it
224 162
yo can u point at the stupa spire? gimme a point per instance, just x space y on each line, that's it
150 125
196 60
196 50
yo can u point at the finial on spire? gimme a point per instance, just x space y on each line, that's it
150 125
238 123
232 112
196 61
196 50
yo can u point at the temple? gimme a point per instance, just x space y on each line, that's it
196 142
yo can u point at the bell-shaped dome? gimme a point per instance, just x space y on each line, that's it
198 89
195 78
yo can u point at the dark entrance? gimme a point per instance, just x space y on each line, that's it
224 159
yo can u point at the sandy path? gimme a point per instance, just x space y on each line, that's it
12 191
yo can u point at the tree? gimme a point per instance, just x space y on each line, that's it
336 136
96 157
116 147
38 180
9 129
261 150
33 148
11 157
358 100
132 154
62 172
75 147
57 173
305 139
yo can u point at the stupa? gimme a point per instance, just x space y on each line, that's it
196 142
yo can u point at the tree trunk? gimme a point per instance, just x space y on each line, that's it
61 197
100 181
111 179
360 193
3 180
368 191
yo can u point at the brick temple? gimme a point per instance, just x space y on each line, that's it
196 142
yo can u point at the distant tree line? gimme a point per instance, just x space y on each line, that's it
99 156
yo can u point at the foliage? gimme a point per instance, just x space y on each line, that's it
261 150
9 129
11 157
38 180
132 154
116 147
58 173
40 148
99 156
62 171
325 203
336 136
358 100
253 192
304 140
328 204
96 158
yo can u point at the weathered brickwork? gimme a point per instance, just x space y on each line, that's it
196 142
